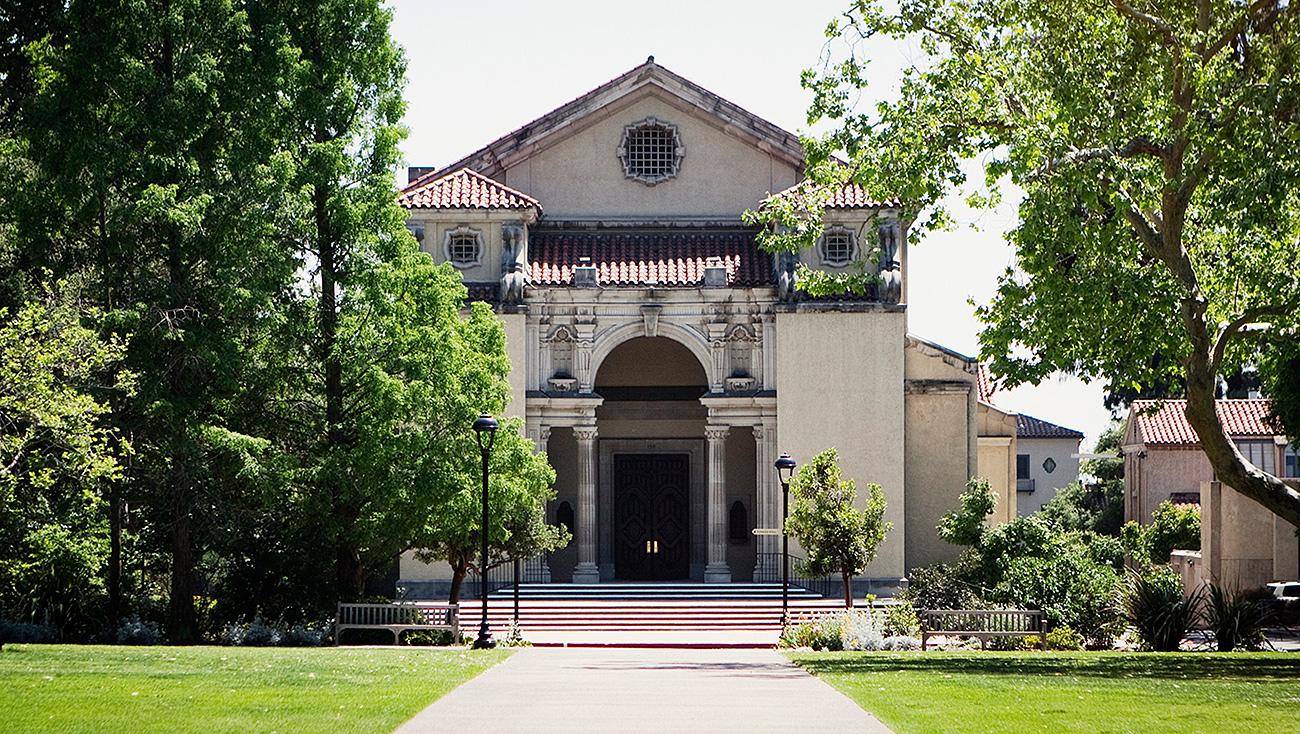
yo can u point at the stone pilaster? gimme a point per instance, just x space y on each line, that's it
717 571
586 572
766 497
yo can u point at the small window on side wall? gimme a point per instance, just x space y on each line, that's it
837 247
464 247
1022 466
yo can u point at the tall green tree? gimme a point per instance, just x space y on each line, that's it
838 536
59 454
1152 147
148 137
383 369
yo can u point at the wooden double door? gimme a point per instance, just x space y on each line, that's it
652 517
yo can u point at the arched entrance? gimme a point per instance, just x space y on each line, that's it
652 461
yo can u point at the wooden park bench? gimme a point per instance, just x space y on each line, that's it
398 617
983 624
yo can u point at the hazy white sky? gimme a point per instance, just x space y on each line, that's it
478 70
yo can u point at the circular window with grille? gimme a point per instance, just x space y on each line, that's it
651 151
463 247
837 247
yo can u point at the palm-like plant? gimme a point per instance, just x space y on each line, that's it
1236 618
1159 611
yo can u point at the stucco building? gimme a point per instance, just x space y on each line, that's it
1163 458
663 361
1242 543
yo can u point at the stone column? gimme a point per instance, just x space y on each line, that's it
766 498
586 572
541 443
717 571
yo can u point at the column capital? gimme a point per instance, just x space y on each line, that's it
716 433
584 433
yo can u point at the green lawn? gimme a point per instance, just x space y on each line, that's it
73 688
1069 692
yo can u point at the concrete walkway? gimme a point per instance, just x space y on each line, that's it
644 690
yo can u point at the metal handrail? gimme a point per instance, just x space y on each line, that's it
769 571
532 571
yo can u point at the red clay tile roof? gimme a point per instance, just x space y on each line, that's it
663 257
847 196
1028 426
463 189
985 384
1168 425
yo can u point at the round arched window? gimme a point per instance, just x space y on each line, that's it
651 151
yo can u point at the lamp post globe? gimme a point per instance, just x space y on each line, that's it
785 471
485 430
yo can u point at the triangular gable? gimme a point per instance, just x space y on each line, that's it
494 158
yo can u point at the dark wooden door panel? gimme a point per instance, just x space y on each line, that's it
651 516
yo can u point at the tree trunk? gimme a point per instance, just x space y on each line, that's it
182 624
459 570
1230 467
347 564
848 589
349 576
114 555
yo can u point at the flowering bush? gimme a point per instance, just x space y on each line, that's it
135 631
853 629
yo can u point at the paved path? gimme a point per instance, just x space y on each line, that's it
644 690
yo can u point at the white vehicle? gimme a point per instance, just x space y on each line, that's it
1286 590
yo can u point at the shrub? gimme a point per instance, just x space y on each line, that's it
1020 538
254 634
24 633
135 631
940 586
966 525
862 630
1237 619
426 638
797 636
1013 644
900 643
1157 609
901 620
822 633
1173 527
852 629
515 637
301 635
1071 588
1064 638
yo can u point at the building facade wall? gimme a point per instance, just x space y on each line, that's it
939 445
581 177
1152 475
840 384
1064 454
